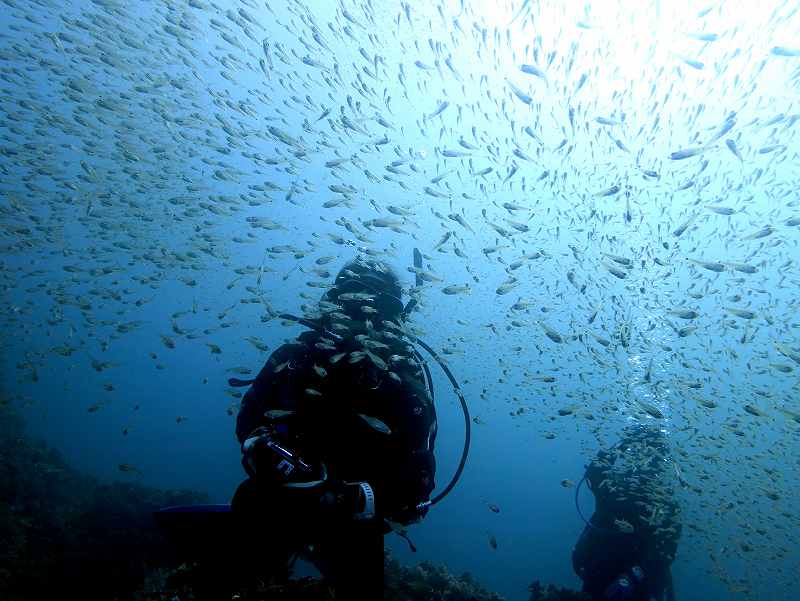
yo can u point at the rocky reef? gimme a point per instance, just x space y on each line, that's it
64 534
540 592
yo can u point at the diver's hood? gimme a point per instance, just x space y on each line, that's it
383 290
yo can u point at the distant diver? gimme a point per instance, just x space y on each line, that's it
629 543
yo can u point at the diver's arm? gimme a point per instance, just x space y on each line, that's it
250 412
272 462
257 398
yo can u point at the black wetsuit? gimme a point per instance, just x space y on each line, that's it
604 552
326 428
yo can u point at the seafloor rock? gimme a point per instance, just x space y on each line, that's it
427 581
549 592
423 582
66 535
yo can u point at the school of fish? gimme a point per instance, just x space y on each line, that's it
635 230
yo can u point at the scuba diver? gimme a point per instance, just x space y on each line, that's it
629 543
337 434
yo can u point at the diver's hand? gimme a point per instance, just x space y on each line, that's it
267 459
348 500
411 514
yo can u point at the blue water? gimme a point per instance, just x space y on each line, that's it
136 137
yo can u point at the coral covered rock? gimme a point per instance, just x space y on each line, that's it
427 581
554 593
65 534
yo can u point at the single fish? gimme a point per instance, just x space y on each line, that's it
753 410
375 424
703 37
694 64
733 148
506 287
720 210
455 154
684 226
439 110
724 129
455 289
710 265
129 469
273 414
741 313
686 153
788 352
533 70
605 121
651 410
519 93
762 233
551 333
615 271
608 191
684 313
784 51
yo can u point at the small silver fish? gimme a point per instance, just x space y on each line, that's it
375 424
277 413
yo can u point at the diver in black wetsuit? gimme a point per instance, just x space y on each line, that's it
629 543
337 435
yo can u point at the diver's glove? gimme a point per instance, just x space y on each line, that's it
348 500
267 459
412 514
